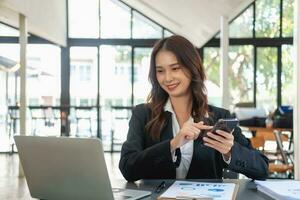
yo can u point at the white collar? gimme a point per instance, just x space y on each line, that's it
169 107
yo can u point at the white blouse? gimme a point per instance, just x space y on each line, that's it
186 150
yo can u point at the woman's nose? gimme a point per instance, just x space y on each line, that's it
169 77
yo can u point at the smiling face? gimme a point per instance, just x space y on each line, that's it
171 75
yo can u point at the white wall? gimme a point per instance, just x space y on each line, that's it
46 19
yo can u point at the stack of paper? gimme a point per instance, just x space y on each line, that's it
280 190
200 190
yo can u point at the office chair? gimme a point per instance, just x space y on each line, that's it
280 165
285 165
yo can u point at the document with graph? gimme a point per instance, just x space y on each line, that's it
200 190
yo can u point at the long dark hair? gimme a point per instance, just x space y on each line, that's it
189 58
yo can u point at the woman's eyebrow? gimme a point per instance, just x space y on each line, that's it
171 65
174 64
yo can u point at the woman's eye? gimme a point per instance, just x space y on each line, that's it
175 68
159 71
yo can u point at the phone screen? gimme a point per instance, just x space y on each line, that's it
227 125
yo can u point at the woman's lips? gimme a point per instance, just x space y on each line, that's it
172 87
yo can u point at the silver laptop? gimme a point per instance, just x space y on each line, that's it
60 168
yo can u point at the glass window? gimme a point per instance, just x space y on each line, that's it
43 87
144 28
115 74
287 18
218 35
3 101
83 90
11 53
115 19
2 90
83 19
267 18
242 26
212 70
167 33
8 31
83 74
9 93
84 102
34 102
115 90
241 72
142 86
287 87
43 74
266 78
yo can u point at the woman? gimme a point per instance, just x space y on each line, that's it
163 142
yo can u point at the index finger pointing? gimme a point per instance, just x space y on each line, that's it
201 126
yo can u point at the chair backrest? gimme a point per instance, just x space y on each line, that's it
83 112
48 112
258 142
280 146
37 113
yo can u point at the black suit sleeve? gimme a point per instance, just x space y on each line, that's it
245 159
137 161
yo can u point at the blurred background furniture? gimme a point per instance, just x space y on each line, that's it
119 128
13 123
38 118
280 157
83 116
249 115
43 116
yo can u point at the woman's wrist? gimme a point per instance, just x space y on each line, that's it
173 145
227 155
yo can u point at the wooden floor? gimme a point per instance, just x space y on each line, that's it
12 187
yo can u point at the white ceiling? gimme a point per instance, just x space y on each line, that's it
198 20
46 19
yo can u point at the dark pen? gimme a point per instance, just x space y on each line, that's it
160 187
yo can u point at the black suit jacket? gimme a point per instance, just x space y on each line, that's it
144 158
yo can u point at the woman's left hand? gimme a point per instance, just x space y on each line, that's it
222 141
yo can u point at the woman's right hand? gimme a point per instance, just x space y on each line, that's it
189 131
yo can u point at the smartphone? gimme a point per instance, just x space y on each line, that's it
227 125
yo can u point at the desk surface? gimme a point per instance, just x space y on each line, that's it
16 188
247 188
268 133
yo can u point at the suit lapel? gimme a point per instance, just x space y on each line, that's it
167 132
